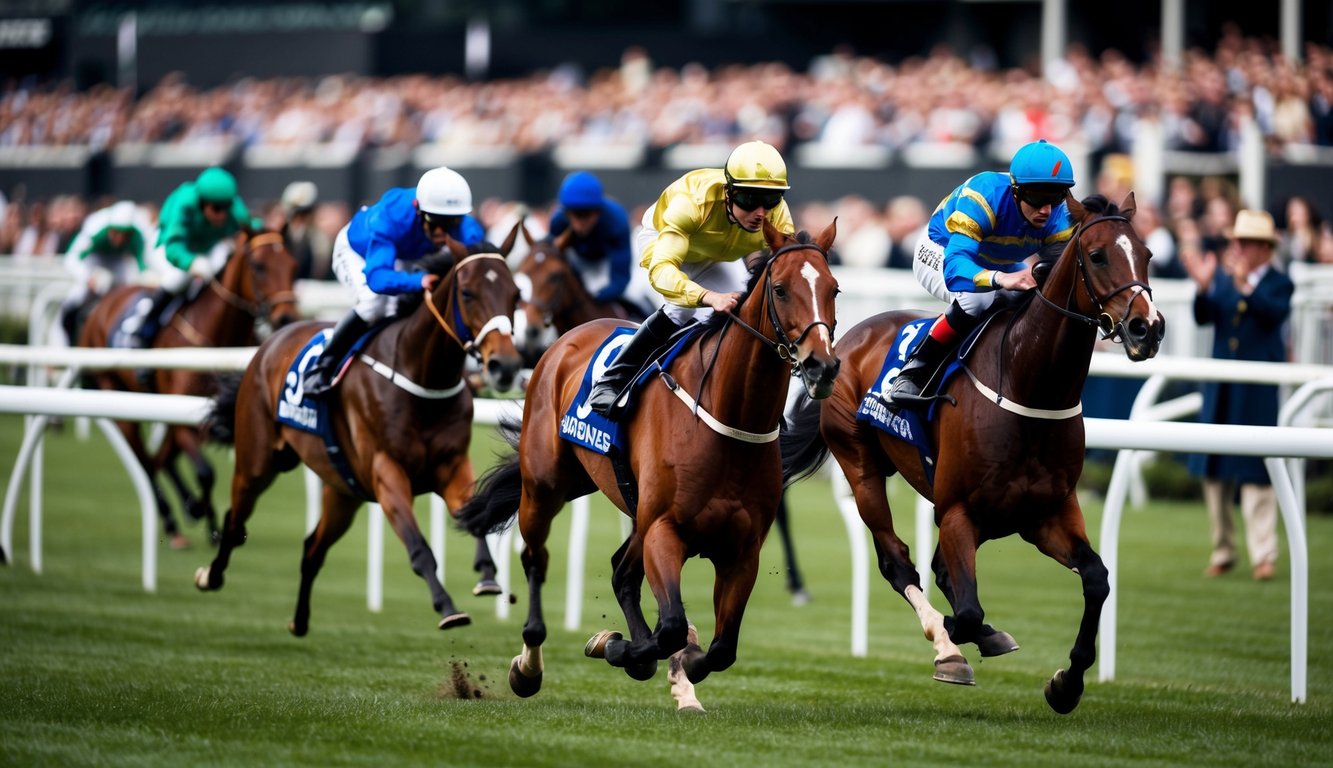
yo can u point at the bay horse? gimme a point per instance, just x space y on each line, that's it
401 416
708 485
1006 463
255 284
554 296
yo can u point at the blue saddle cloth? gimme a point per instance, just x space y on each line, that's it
906 424
582 425
309 415
121 338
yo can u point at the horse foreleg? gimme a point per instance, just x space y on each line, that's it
795 584
393 491
732 584
627 581
682 690
525 671
247 483
663 556
336 517
134 437
1063 539
201 508
955 567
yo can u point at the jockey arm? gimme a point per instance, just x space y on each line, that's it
619 260
388 229
668 252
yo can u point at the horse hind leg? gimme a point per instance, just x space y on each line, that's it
338 513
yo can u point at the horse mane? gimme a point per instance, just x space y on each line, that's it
757 262
1099 205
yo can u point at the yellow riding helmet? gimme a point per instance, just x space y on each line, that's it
756 164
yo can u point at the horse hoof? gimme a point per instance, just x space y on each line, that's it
642 670
996 644
487 587
596 646
1060 694
522 685
455 620
298 631
179 542
954 669
203 579
799 598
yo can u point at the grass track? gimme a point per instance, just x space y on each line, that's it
96 672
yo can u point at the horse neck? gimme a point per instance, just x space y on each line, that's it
747 387
1048 352
423 350
580 307
222 312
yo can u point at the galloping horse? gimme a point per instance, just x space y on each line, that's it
255 284
708 485
402 421
1010 442
555 296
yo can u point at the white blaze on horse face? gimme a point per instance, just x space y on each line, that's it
1126 247
811 276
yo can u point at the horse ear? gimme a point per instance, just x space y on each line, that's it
456 248
826 238
561 241
774 236
1128 208
1076 210
508 244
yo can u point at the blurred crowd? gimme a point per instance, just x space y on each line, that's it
842 100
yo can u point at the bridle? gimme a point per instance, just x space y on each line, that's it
457 329
784 346
266 303
1111 327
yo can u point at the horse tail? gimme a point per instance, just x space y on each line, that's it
495 503
803 448
220 424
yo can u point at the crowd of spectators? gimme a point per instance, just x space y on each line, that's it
843 100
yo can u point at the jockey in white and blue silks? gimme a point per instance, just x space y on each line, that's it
599 246
979 249
373 253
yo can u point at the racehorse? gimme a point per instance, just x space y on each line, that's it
1009 437
256 284
707 486
402 421
554 295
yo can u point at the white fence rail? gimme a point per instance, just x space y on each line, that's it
1272 443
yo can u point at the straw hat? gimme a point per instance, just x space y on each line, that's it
1253 225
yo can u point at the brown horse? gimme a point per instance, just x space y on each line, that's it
1005 463
556 297
256 284
708 485
402 421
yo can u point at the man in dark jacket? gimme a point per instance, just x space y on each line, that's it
1247 301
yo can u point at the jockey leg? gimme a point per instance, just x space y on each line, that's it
650 337
319 379
151 321
948 329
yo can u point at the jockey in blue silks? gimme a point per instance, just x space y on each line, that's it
980 247
599 242
373 253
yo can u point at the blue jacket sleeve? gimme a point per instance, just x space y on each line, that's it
619 257
382 252
470 231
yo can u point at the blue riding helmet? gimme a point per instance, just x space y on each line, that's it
1041 163
581 189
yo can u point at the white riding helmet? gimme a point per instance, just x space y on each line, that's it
444 192
121 215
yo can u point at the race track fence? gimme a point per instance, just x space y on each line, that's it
1145 431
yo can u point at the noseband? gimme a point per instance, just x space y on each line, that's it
1111 328
458 329
784 347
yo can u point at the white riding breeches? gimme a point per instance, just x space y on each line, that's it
928 268
719 276
350 269
174 279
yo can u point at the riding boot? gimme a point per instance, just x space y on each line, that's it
909 382
69 318
650 337
142 338
319 379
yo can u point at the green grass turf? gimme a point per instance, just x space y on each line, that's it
94 671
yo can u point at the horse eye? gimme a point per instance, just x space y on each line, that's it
780 291
468 295
1098 257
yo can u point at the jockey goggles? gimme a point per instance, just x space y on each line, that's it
1038 197
750 199
444 222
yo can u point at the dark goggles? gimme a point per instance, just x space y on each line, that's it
434 220
1040 198
214 205
750 199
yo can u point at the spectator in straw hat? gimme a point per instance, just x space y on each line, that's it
1247 300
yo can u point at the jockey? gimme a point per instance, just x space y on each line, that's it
599 244
980 247
372 254
108 251
193 240
693 240
305 242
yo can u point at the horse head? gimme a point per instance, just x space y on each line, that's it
797 300
1102 276
474 304
269 276
547 283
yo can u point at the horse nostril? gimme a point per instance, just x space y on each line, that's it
1138 328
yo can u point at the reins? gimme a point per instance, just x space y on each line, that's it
1110 327
471 344
255 310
